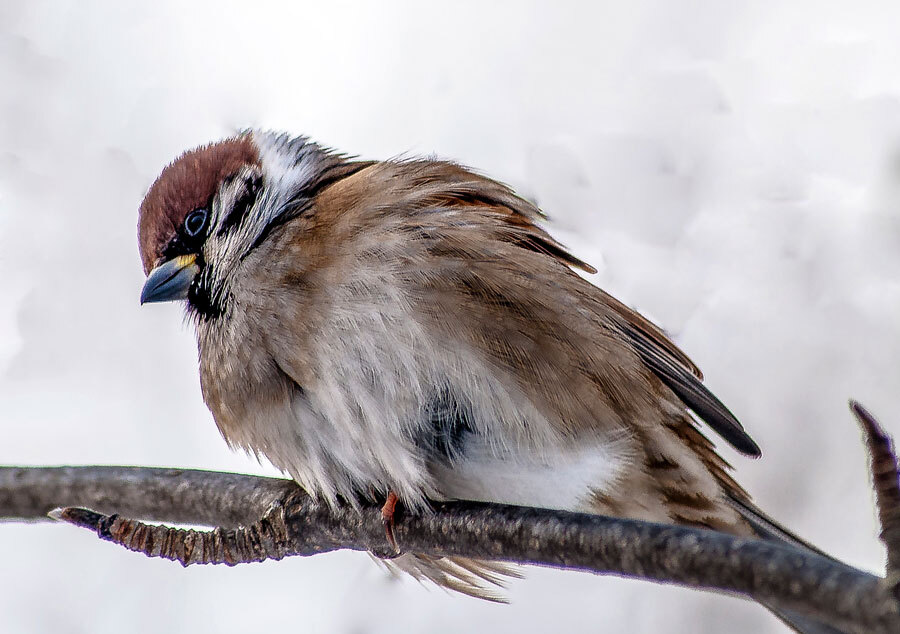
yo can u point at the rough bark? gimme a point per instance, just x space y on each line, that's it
257 518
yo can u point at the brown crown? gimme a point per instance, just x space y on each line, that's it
186 184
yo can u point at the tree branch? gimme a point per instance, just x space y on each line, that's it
180 496
885 481
260 518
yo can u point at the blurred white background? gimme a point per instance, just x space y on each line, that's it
730 168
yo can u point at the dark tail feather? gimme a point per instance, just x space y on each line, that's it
768 529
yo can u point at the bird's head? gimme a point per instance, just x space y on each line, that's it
213 205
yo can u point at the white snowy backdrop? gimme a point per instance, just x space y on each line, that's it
731 169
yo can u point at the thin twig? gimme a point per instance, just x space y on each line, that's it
262 540
886 482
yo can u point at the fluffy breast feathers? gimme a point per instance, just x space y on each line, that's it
410 280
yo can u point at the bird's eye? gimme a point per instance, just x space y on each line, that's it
195 222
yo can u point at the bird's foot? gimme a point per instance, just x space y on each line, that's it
387 517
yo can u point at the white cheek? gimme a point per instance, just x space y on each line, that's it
562 479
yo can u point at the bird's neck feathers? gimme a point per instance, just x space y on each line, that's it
254 202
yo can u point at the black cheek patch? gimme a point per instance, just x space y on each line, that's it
245 200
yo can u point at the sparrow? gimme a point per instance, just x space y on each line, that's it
407 330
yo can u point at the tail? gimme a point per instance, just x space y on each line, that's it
474 577
768 529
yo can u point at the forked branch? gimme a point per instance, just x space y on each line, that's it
258 518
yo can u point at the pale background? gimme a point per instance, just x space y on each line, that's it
729 167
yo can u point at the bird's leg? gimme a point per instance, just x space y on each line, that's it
387 517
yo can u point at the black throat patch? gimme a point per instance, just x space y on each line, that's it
202 302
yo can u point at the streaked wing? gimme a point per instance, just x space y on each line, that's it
682 377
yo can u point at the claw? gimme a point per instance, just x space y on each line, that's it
387 517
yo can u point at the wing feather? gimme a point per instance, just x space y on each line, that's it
652 345
688 387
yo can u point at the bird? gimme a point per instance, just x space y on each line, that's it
407 331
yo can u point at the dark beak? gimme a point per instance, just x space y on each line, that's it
170 280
